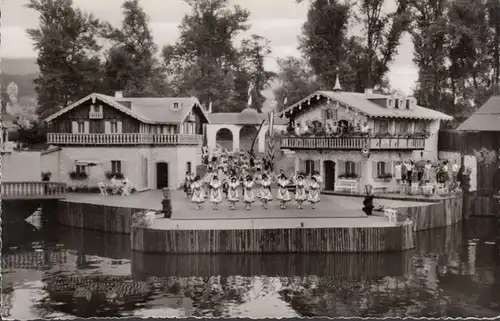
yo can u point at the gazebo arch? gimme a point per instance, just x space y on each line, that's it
224 138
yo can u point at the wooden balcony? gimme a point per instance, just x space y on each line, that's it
123 139
352 143
33 190
96 115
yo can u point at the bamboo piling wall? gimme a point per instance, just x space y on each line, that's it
95 216
300 240
443 213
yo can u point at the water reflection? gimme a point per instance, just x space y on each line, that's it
71 272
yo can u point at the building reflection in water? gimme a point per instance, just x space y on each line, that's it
93 274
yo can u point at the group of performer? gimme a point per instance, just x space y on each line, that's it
231 175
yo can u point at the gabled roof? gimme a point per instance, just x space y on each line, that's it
146 110
486 118
247 116
362 103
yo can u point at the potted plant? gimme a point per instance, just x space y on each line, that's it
78 176
46 176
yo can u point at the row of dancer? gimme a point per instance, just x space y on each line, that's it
253 188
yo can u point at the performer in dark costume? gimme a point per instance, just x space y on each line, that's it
368 202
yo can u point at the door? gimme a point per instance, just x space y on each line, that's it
161 175
329 169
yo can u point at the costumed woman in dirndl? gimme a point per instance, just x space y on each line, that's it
300 191
198 195
233 196
215 192
283 193
248 193
265 191
314 195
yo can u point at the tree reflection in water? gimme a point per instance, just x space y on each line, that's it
95 275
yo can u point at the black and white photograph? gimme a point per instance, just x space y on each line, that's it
250 158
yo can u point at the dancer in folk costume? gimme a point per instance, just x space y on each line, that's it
207 179
215 192
265 191
198 195
314 194
300 191
257 177
188 180
248 192
318 178
283 193
232 195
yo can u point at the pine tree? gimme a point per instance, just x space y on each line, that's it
68 54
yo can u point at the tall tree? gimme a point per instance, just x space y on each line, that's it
68 54
323 41
297 81
362 61
252 54
202 62
493 14
132 65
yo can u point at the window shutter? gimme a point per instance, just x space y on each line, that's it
107 127
389 167
302 165
341 168
74 127
86 127
374 169
317 165
358 168
119 125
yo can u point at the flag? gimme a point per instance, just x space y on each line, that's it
250 88
271 124
285 101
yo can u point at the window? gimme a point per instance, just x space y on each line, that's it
403 126
350 168
407 104
331 114
309 167
383 126
116 166
397 103
80 169
114 127
81 127
188 167
176 106
381 170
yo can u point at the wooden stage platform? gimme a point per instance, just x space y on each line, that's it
332 211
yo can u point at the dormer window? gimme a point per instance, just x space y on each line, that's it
408 103
390 102
397 103
176 106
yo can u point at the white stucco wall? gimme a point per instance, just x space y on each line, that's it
366 166
175 156
51 163
21 166
212 130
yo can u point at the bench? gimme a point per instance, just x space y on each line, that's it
350 185
380 189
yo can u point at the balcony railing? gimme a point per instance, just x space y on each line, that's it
96 115
7 147
33 190
123 139
352 143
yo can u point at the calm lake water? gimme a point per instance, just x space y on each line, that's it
61 272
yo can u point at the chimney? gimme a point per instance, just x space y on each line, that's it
369 91
118 94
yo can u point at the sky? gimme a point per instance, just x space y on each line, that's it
280 21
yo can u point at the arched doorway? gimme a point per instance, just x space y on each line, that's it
161 175
329 170
247 135
224 139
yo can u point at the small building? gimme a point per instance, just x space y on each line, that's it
398 130
236 123
151 141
